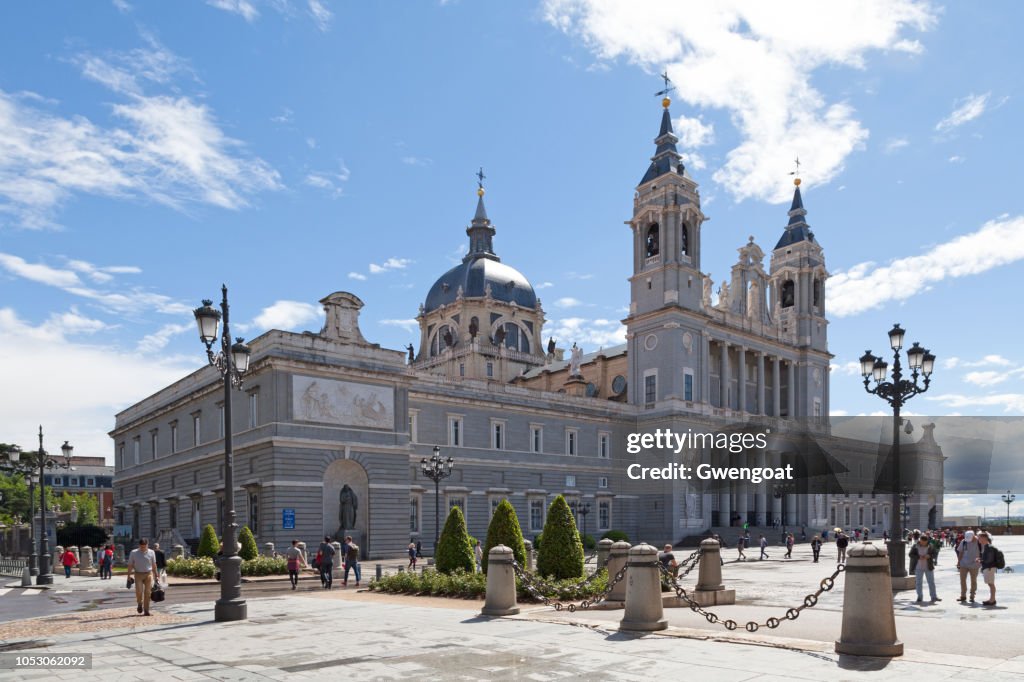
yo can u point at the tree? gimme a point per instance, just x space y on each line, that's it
14 488
453 549
84 502
208 544
81 535
504 530
249 549
561 553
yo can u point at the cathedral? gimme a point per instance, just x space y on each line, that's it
331 430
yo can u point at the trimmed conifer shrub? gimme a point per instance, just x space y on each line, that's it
453 549
504 530
249 549
561 553
208 544
616 536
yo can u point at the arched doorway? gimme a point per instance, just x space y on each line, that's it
345 481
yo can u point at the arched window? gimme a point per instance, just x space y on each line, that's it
653 242
684 240
788 293
515 337
817 292
444 337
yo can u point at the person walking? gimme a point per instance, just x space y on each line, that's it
295 560
764 545
922 557
412 556
68 560
968 554
989 565
161 562
142 565
740 543
106 562
816 547
351 551
326 554
789 546
478 556
841 543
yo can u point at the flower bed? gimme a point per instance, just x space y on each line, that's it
474 585
204 567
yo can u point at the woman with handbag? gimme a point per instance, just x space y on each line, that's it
68 560
295 560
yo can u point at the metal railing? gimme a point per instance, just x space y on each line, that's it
12 567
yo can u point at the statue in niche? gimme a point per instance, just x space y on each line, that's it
458 293
348 505
575 358
723 296
474 328
499 336
706 297
449 340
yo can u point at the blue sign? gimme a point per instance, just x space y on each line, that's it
288 519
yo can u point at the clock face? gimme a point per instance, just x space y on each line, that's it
618 384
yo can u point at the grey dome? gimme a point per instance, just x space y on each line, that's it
507 284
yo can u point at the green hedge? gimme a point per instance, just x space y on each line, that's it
203 567
616 536
561 553
504 530
465 585
454 550
265 566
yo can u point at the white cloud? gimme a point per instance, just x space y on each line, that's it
578 275
568 302
1004 402
417 161
389 265
158 340
950 363
756 61
330 181
242 8
102 274
286 116
287 315
38 272
894 143
122 6
850 368
966 109
543 285
693 132
357 275
321 15
589 334
956 159
409 325
993 359
868 285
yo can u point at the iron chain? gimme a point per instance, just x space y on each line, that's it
533 585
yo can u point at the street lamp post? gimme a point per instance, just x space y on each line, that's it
33 569
437 469
1008 499
897 392
232 360
26 463
581 509
905 496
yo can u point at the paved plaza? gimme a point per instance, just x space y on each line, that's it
361 635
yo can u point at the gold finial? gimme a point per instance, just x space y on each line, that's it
665 102
480 182
479 191
668 88
796 181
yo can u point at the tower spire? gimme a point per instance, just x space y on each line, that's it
666 157
480 230
797 230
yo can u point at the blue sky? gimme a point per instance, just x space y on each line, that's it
293 148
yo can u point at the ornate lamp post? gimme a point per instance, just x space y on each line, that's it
1008 499
437 469
233 361
897 392
905 496
27 463
581 509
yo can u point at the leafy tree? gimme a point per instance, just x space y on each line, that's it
86 504
208 544
453 549
81 535
504 530
15 491
249 549
561 554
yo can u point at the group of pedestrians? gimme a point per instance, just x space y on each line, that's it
975 554
326 558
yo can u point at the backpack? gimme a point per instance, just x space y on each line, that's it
1000 559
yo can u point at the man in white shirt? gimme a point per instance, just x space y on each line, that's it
142 564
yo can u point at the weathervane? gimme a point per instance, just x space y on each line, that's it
480 177
668 86
796 172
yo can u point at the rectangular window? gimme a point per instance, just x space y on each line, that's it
220 421
602 481
455 431
846 516
196 431
495 501
603 444
254 409
536 439
254 512
536 515
490 369
860 517
74 482
498 435
462 369
153 442
817 408
604 515
688 384
832 517
571 441
650 388
152 521
570 481
172 511
460 502
414 514
136 447
174 437
120 456
414 419
90 483
874 515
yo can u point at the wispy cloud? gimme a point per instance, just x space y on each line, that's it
322 16
868 285
568 302
1003 402
158 340
543 285
756 61
965 110
588 333
357 275
287 315
956 158
329 181
389 265
286 116
242 8
409 325
417 161
895 143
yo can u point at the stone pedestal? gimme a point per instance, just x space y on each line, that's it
576 385
337 569
644 612
907 582
710 590
604 548
869 624
529 556
268 549
358 537
501 583
86 565
617 556
58 567
178 552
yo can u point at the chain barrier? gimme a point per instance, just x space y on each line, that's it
534 586
793 613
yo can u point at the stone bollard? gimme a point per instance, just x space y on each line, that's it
338 571
644 611
26 577
604 546
616 560
302 548
529 556
178 552
380 571
86 560
57 565
77 552
869 625
500 599
268 549
710 591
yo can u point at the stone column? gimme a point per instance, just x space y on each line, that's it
741 378
710 590
724 507
762 494
644 609
604 547
791 393
792 516
723 360
336 570
302 548
178 552
869 625
58 567
760 384
741 499
776 388
776 501
616 560
500 597
705 368
86 560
